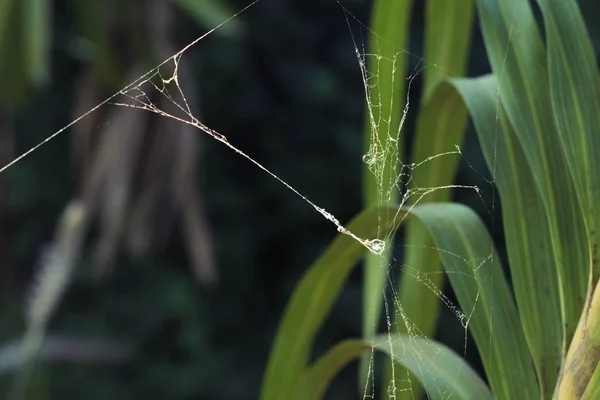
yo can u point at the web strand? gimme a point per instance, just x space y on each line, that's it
135 96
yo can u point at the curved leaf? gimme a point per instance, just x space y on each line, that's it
488 310
518 58
575 89
532 264
476 276
312 301
441 124
442 372
448 31
440 127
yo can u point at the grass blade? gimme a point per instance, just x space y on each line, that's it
448 31
518 58
532 264
575 91
478 281
441 126
390 23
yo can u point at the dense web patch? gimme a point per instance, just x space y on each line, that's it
165 80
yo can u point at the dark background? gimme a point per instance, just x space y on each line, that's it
287 92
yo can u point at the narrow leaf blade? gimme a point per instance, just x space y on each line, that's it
532 264
477 278
385 85
518 58
575 90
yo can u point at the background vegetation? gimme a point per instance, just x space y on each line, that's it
284 87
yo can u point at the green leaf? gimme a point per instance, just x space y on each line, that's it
441 124
448 31
212 13
518 58
575 89
476 276
385 89
592 392
37 31
532 264
488 310
441 371
315 380
312 301
440 127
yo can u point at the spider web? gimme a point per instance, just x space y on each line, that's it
410 195
164 79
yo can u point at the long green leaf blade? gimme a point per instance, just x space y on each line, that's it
441 124
448 31
385 87
575 89
530 254
518 58
477 278
440 127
